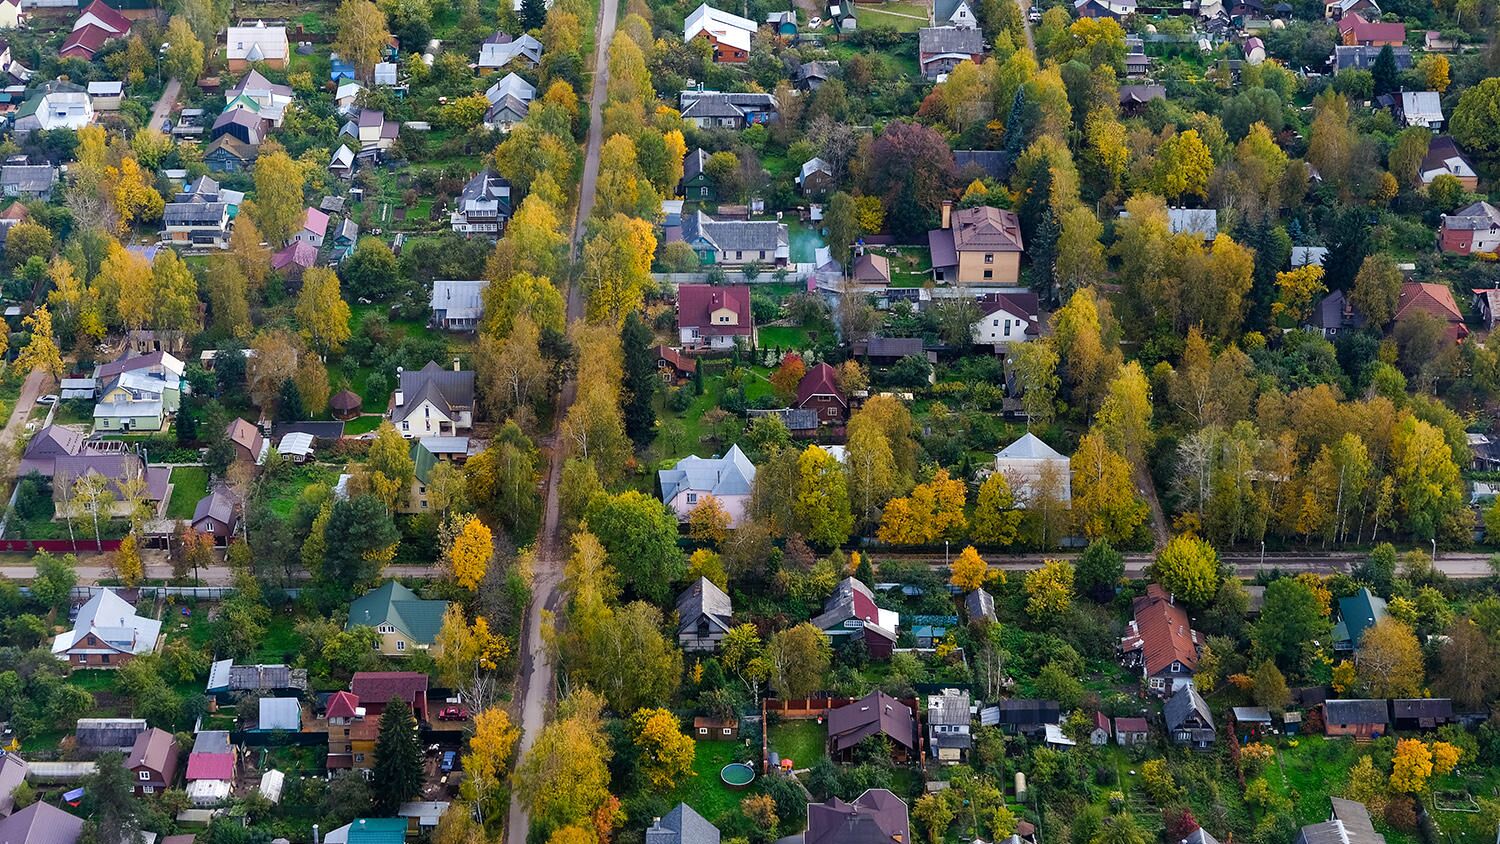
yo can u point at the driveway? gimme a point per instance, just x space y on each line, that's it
163 108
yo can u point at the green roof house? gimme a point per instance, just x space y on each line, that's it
369 831
1357 613
405 622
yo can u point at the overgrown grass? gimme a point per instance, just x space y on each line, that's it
189 485
281 494
783 336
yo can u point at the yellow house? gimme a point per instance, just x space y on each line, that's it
404 622
976 246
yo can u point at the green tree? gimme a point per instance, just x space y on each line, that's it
1291 620
640 534
797 660
1100 569
564 778
1476 118
641 379
114 811
628 659
183 58
1188 567
360 538
397 773
997 520
1384 72
278 208
361 35
822 507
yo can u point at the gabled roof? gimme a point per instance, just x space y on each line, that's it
41 823
697 302
112 621
511 86
875 817
722 26
256 43
821 380
394 604
245 435
1432 707
445 388
155 749
210 766
1029 447
851 600
1140 94
1183 705
1162 632
735 235
459 299
1019 303
1363 58
1425 297
1355 711
980 604
218 506
299 253
106 16
1444 156
315 221
378 687
682 825
12 773
1366 30
943 40
874 714
702 599
255 83
732 474
693 163
342 705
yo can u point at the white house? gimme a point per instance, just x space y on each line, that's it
955 13
11 14
1422 108
728 33
512 86
1007 318
728 479
55 105
948 725
1028 462
107 633
434 402
256 43
496 54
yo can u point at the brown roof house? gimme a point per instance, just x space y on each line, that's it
218 515
875 817
874 714
1435 300
249 444
1160 642
673 365
819 391
50 443
976 246
710 317
153 761
375 689
119 470
1361 718
851 611
942 48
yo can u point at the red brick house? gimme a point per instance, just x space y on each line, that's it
819 391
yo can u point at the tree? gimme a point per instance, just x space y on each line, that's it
1270 687
390 468
640 535
1384 72
1296 291
1468 665
933 511
822 507
1428 488
370 272
360 538
1292 618
40 351
1377 287
1367 785
1390 660
361 36
397 772
1035 367
115 811
641 379
469 555
490 747
968 570
1188 568
870 465
911 169
1183 166
665 755
564 778
27 239
247 250
279 179
1049 590
1435 72
1476 118
1124 418
936 812
467 655
1104 501
626 657
322 314
996 520
787 376
1411 766
1087 360
1119 829
1099 570
709 521
183 58
128 561
617 267
797 660
174 294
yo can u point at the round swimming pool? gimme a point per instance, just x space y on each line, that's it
737 775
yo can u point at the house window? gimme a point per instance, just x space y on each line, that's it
400 644
762 253
726 731
83 659
738 255
148 789
988 274
143 776
405 426
104 658
994 322
1007 328
1176 667
989 258
692 498
359 757
702 731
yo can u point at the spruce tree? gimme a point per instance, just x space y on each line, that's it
640 380
1387 77
397 775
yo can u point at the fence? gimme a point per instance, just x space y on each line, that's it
56 546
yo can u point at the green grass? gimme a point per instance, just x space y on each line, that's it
783 336
803 742
189 485
704 791
74 412
94 680
362 425
897 19
911 266
282 494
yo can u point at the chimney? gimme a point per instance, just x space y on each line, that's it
455 363
947 213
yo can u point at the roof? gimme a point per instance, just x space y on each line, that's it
696 304
1019 303
316 221
210 766
991 162
394 604
500 54
1423 105
722 26
889 347
1131 725
696 104
703 599
875 817
256 43
732 236
1363 58
1183 705
107 17
256 84
511 85
1367 30
299 253
445 388
1355 711
940 40
821 380
1251 715
379 687
28 178
986 229
1028 712
1139 94
1161 632
296 443
342 705
1358 613
980 604
12 773
1028 447
814 165
245 435
135 363
732 474
1203 221
682 825
155 749
41 823
1426 297
951 708
1444 156
218 506
47 445
852 599
1349 824
459 299
211 741
112 621
677 359
98 733
870 268
279 713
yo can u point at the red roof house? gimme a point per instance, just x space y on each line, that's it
673 363
376 688
210 766
1160 641
342 706
1355 31
95 25
1435 300
713 317
819 390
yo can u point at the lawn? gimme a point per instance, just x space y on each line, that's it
783 337
283 493
74 412
903 17
911 266
362 425
705 792
189 485
804 742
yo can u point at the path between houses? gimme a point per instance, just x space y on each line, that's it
163 108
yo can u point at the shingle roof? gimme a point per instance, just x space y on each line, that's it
394 604
155 749
735 235
1182 705
41 823
1162 633
987 229
874 714
948 39
821 380
378 687
1355 711
703 599
875 817
682 825
443 387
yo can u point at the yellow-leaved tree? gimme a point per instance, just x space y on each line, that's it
322 313
933 511
666 755
40 351
128 561
488 759
709 521
470 551
1049 590
1411 766
1445 757
968 570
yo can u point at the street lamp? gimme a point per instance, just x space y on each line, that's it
945 552
1262 553
1434 549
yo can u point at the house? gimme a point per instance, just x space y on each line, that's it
32 181
1203 222
815 178
458 305
426 453
46 446
1130 732
1419 108
682 825
153 761
41 823
1188 720
505 112
106 634
54 105
1099 734
979 245
1445 158
704 616
249 444
298 257
1434 41
12 773
948 725
422 816
1363 58
405 622
342 242
1030 466
1336 9
875 817
1473 228
783 24
135 401
496 54
217 515
851 612
673 365
11 14
242 123
268 97
875 714
226 678
342 162
1117 9
483 206
1134 97
314 228
728 479
714 317
196 224
104 735
374 689
210 769
1349 824
1361 718
1421 713
511 86
979 606
157 363
734 243
1357 613
1137 64
728 35
884 351
96 25
229 154
119 469
256 44
1486 303
1007 318
346 96
1434 300
715 729
1161 642
695 183
374 133
819 391
958 14
351 739
433 401
1024 717
810 76
1355 31
1335 314
942 48
1303 256
734 110
870 273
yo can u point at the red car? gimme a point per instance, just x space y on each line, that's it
453 712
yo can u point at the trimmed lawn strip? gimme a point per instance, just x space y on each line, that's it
804 742
189 485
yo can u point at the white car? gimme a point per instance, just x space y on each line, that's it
815 22
1034 15
47 399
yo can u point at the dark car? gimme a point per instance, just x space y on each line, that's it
453 712
448 759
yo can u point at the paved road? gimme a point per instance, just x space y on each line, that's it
536 678
1026 23
164 105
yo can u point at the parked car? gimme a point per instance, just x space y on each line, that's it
453 712
50 398
448 759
